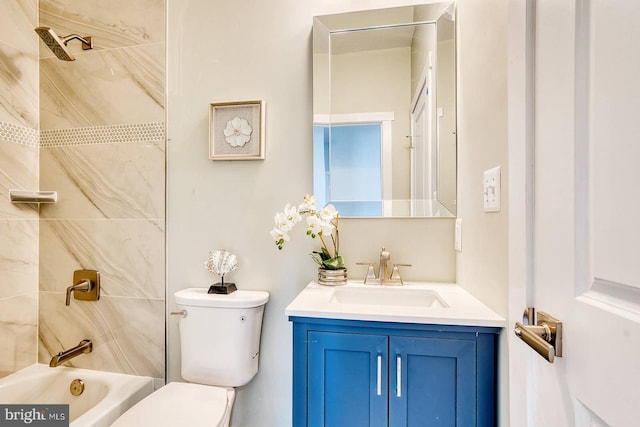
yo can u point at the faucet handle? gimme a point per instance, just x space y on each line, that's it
86 286
371 274
395 273
82 286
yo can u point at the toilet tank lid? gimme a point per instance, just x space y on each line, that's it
239 299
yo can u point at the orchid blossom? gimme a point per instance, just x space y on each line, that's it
322 224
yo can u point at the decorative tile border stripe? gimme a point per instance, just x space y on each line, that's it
19 134
111 134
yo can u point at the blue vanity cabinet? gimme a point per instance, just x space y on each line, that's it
359 373
346 387
432 382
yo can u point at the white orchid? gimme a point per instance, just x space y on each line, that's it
328 213
318 226
237 132
313 226
292 213
309 203
279 236
282 222
323 224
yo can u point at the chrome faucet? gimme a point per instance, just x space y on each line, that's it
385 276
383 267
85 346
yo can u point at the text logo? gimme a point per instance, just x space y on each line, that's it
34 415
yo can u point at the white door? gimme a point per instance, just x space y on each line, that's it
419 157
575 225
423 150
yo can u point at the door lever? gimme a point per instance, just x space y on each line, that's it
545 336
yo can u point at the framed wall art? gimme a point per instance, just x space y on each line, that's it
236 130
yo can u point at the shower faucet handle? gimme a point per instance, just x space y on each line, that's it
86 286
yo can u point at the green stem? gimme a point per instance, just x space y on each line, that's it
323 242
336 241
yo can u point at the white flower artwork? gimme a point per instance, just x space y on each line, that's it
237 132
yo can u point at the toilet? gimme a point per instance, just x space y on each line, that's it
220 347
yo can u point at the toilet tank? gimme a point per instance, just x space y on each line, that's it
220 335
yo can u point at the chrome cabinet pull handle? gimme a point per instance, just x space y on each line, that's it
398 375
379 376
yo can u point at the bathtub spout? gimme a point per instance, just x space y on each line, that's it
85 346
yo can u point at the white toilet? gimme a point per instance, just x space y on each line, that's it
220 347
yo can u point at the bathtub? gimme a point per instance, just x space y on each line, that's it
106 395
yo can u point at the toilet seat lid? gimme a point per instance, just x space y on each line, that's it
178 404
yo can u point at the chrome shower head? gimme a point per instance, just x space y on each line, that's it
59 46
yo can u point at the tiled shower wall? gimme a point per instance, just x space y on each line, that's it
100 145
18 170
102 149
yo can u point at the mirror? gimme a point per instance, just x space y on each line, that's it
384 104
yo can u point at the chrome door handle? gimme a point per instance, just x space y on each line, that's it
545 337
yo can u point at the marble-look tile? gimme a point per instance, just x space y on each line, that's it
129 254
18 171
17 21
18 257
103 88
112 24
104 180
18 332
127 333
18 86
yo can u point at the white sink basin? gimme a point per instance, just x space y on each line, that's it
395 296
415 302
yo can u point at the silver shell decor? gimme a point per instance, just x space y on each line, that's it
221 262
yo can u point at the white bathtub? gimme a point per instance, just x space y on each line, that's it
106 395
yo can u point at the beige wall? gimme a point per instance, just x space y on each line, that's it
252 52
482 144
241 50
18 170
102 150
92 130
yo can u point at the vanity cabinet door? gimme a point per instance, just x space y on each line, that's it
353 373
347 380
432 382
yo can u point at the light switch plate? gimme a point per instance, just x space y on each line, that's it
491 190
458 235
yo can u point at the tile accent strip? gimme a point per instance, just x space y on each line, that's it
19 134
135 132
111 134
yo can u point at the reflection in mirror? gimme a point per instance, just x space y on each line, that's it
384 136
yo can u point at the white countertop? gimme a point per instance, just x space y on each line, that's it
461 308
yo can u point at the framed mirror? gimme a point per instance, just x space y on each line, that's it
384 104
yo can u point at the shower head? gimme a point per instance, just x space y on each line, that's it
59 45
